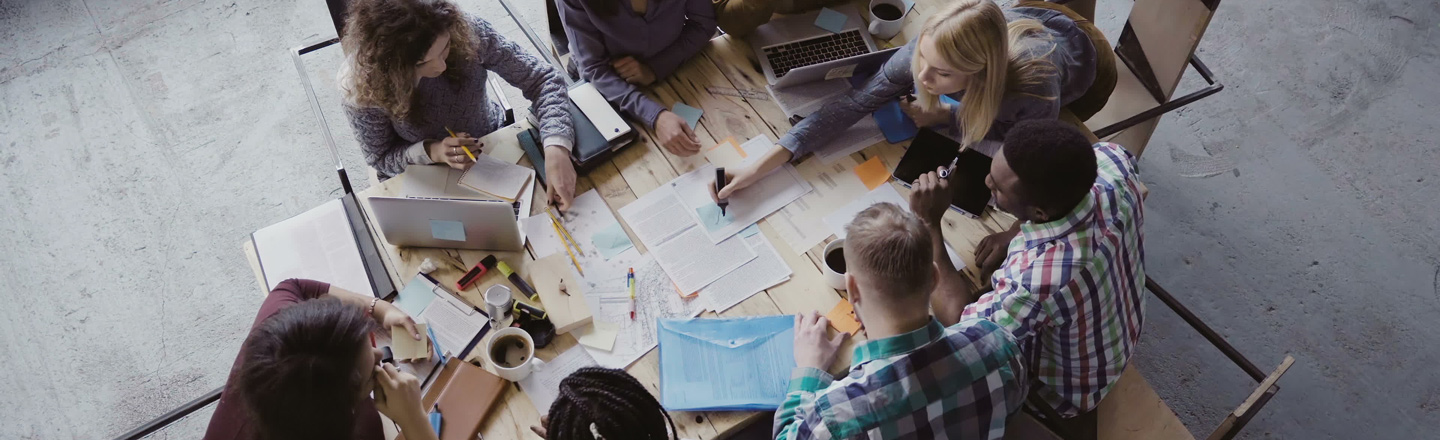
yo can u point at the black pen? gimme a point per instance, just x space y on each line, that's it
719 185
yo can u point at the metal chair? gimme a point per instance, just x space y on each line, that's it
1156 45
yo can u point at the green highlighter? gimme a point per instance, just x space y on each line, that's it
518 281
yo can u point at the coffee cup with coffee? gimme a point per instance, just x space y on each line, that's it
511 352
834 267
887 17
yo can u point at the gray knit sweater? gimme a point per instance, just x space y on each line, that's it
391 144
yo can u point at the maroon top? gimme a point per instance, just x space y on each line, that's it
232 422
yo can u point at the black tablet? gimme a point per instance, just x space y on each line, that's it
931 150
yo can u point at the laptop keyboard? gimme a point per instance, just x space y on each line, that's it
789 56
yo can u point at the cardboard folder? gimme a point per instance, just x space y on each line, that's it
464 394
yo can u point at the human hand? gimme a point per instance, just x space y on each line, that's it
813 345
634 72
542 429
397 396
930 197
560 171
991 251
939 115
451 150
675 134
390 316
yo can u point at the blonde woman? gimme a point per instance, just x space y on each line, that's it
417 69
1000 66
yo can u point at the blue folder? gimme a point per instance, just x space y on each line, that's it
739 364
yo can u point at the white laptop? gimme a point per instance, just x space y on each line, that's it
792 50
448 223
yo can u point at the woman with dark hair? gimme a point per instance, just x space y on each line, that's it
416 69
601 403
621 44
307 371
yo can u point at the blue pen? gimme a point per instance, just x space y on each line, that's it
435 342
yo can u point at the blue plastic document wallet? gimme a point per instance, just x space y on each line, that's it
739 364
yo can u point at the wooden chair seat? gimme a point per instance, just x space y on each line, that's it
1132 410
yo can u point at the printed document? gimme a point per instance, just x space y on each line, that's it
679 243
608 296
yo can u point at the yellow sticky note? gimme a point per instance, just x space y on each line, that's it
405 347
727 153
872 172
598 335
842 317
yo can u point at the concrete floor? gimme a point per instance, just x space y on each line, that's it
143 140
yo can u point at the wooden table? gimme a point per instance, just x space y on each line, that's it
642 167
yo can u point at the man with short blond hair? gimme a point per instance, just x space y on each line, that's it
914 378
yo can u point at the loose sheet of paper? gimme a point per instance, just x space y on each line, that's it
766 270
495 177
655 298
589 216
544 241
800 224
543 383
316 244
679 243
886 193
747 206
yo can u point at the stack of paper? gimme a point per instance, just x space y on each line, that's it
766 270
746 206
496 178
679 243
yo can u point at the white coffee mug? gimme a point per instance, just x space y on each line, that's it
835 279
498 301
520 360
886 29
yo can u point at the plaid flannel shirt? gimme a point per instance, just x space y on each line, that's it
960 382
1072 290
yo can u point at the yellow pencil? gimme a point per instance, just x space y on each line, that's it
565 232
567 247
467 149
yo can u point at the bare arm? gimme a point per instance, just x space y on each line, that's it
951 293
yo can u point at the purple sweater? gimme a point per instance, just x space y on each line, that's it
670 32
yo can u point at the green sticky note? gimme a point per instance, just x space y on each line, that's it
415 296
691 115
447 230
611 241
711 217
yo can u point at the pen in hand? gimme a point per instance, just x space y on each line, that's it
467 149
719 185
945 173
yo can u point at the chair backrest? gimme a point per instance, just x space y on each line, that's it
1156 44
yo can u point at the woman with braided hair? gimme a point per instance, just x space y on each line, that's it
601 404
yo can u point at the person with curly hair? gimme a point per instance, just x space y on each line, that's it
416 69
601 403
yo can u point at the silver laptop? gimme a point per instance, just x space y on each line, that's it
448 223
793 50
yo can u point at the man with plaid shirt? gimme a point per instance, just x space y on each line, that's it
914 378
1071 286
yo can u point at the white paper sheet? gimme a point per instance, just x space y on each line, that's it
316 244
747 206
886 193
766 270
540 231
496 177
655 298
543 383
454 328
800 223
679 243
805 99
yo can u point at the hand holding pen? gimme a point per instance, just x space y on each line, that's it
454 150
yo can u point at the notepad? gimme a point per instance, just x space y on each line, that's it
405 347
691 115
831 20
496 178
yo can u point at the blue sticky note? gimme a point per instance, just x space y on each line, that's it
831 20
691 115
415 296
447 230
611 241
751 230
908 4
711 217
893 122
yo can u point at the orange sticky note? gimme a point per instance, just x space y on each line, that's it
842 317
727 153
872 172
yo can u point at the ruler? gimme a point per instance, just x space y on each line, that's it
741 93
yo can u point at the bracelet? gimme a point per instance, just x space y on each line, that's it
372 306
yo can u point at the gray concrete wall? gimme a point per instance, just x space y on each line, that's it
141 141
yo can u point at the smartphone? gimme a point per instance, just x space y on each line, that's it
931 150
